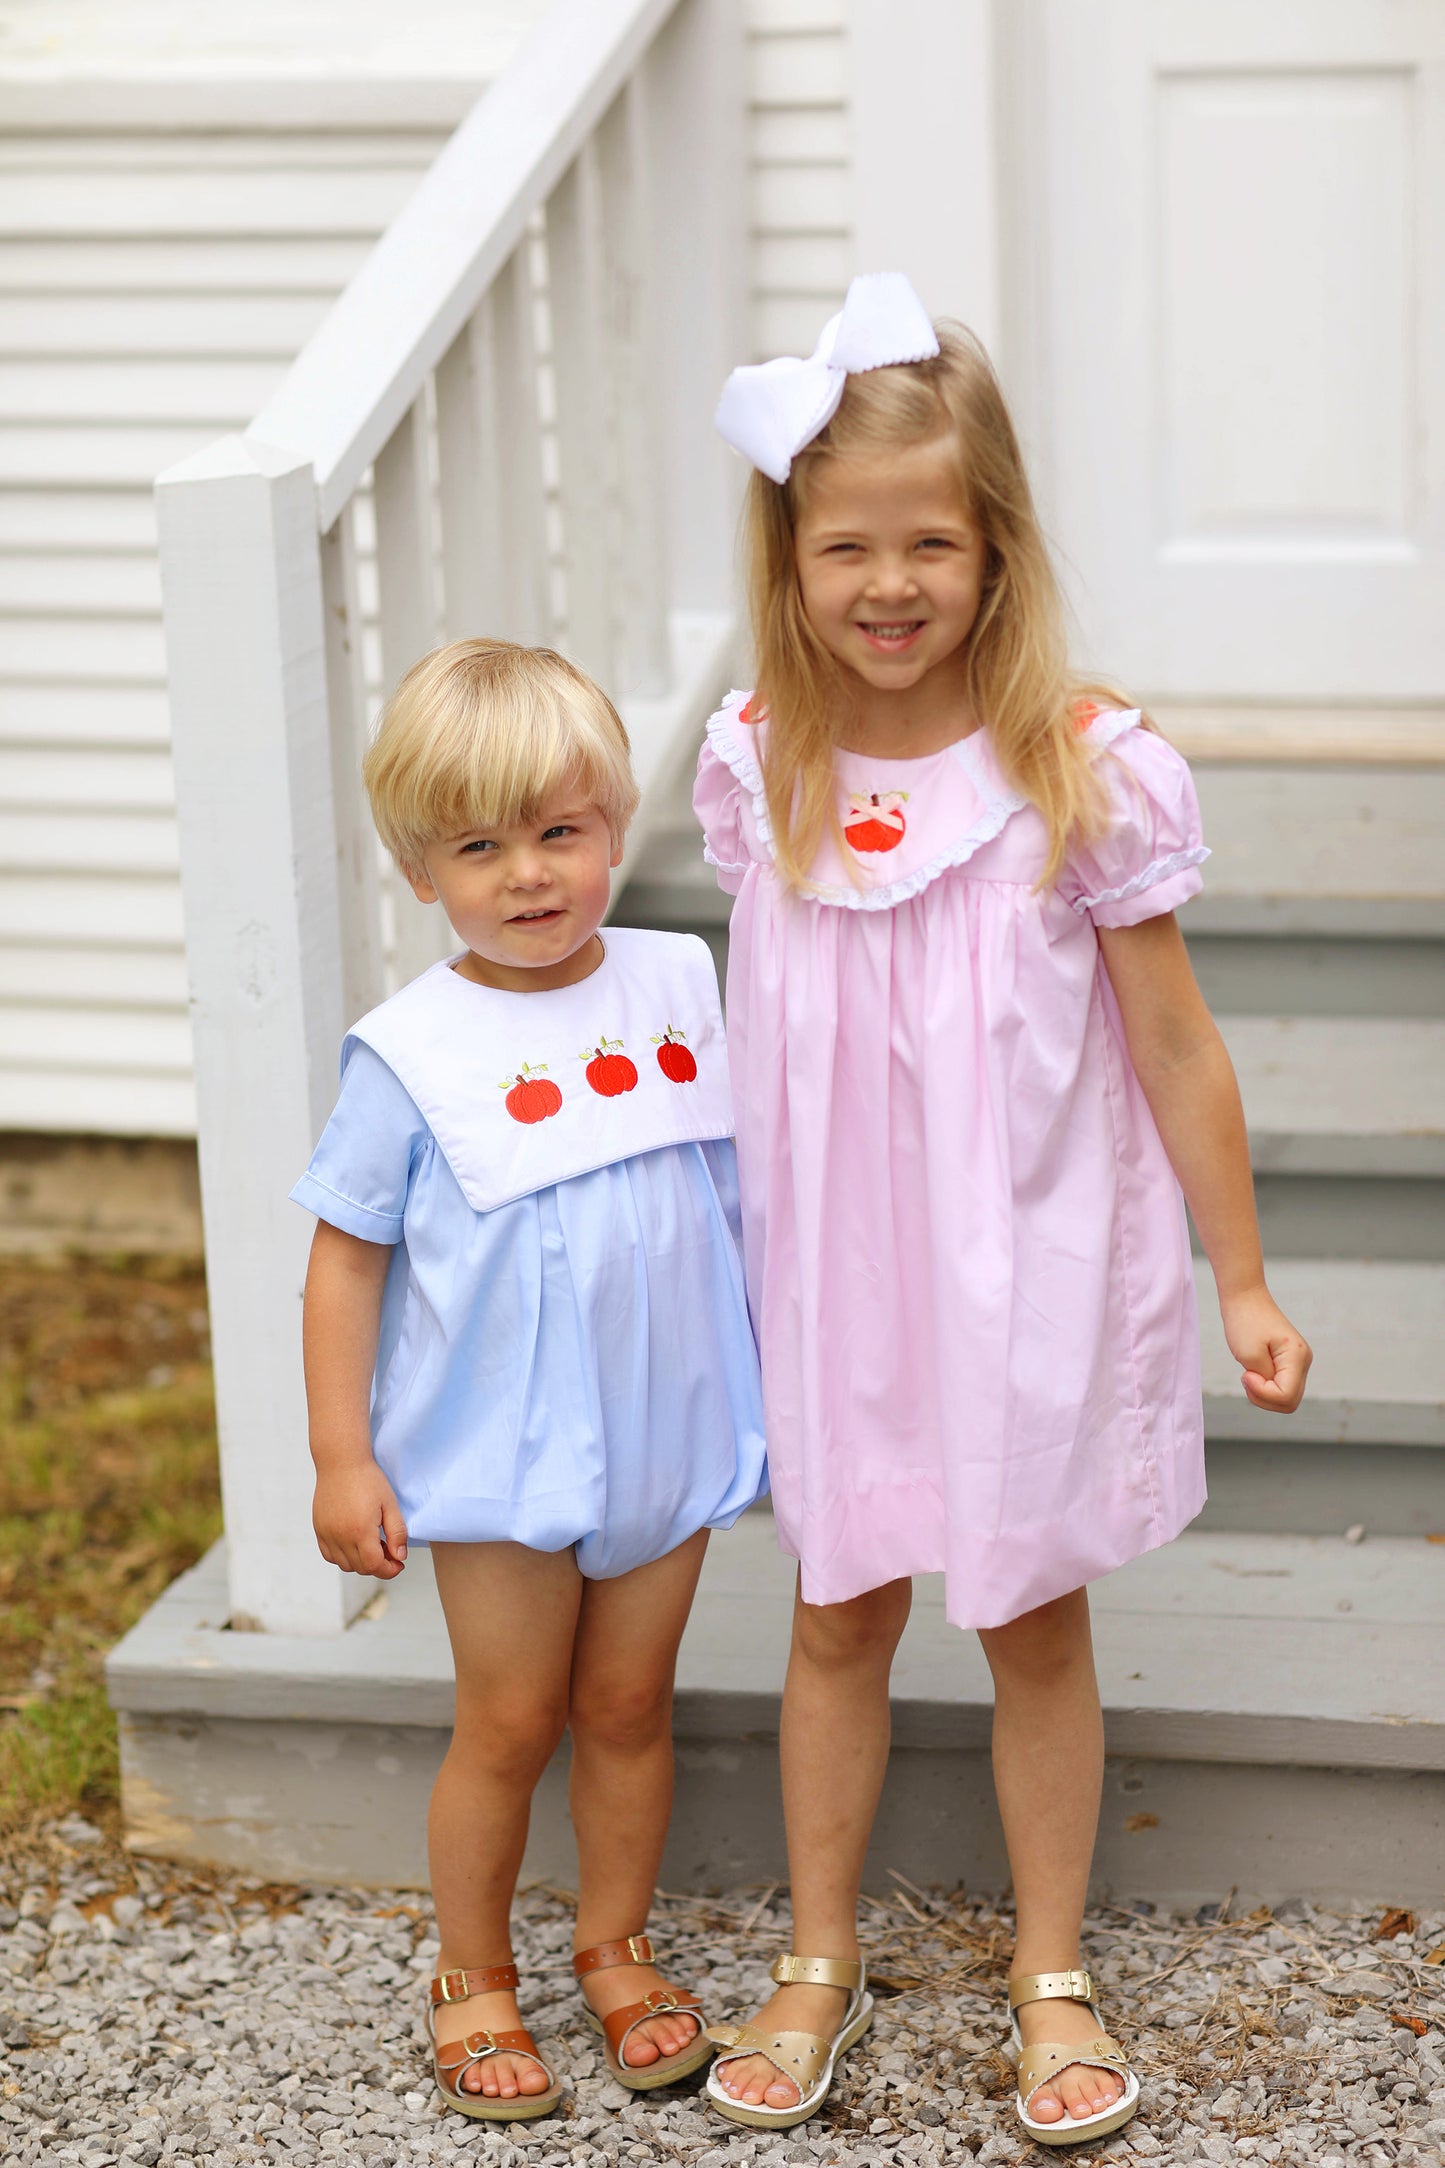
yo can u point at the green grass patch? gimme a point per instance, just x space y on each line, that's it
109 1488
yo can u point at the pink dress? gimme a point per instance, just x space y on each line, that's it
966 1251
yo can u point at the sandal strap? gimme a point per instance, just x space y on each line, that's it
849 1972
633 1950
801 2056
477 2047
618 2025
465 1981
1040 2064
1024 1987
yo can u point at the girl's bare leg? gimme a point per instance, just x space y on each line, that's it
1048 1761
512 1617
835 1730
621 1723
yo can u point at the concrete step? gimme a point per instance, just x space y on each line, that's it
1363 1450
1378 1331
1333 1095
1275 1714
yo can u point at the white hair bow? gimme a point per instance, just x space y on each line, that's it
770 411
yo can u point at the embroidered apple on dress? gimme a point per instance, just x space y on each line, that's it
533 1095
674 1056
875 820
609 1071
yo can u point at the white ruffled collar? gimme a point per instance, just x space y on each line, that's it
729 735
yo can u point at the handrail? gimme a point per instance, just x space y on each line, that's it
351 384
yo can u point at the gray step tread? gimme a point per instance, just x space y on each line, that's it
1341 1095
1267 1649
1379 1369
1268 736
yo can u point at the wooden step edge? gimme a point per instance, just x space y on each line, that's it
1230 735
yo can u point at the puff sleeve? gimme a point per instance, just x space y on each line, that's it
360 1172
1147 860
726 794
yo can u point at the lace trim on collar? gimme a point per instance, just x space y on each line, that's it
997 808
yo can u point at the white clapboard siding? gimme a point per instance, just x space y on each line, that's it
155 282
154 286
798 153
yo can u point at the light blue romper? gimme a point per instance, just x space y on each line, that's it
573 1367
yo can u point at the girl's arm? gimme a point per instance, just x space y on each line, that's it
1188 1079
357 1520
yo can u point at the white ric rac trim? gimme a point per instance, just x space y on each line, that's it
997 809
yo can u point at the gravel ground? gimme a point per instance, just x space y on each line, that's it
148 2015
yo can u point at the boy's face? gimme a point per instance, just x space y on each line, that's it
527 900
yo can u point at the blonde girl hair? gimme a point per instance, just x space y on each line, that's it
480 735
1018 677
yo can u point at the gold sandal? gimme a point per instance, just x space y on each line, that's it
451 2058
1040 2064
618 2026
808 2059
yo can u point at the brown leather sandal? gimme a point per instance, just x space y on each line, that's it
618 2027
451 2058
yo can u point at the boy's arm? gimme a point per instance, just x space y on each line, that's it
341 1320
1188 1079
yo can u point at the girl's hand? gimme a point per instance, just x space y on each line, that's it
1275 1358
358 1522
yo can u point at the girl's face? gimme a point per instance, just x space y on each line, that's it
890 565
528 899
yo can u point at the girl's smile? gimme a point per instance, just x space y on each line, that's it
891 570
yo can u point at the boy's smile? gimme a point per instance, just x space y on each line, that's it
891 568
527 899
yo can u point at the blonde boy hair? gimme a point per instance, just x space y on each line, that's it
480 735
1019 683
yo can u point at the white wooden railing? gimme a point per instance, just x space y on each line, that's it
505 424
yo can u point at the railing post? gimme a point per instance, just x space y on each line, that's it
245 638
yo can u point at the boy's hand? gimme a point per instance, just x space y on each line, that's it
358 1522
1275 1358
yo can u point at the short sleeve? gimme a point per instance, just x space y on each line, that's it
1147 861
361 1171
726 794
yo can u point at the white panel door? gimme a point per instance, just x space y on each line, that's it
1230 335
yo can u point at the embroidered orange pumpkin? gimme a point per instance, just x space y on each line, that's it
610 1072
533 1096
674 1058
875 821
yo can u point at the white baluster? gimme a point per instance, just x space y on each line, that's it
494 550
359 862
410 628
584 411
644 663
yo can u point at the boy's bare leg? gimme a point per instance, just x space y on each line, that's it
1048 1762
512 1617
835 1732
622 1774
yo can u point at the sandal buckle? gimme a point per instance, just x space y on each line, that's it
453 1986
639 1949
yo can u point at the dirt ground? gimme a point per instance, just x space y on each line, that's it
108 1489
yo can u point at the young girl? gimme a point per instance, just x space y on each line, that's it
969 1062
527 1340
